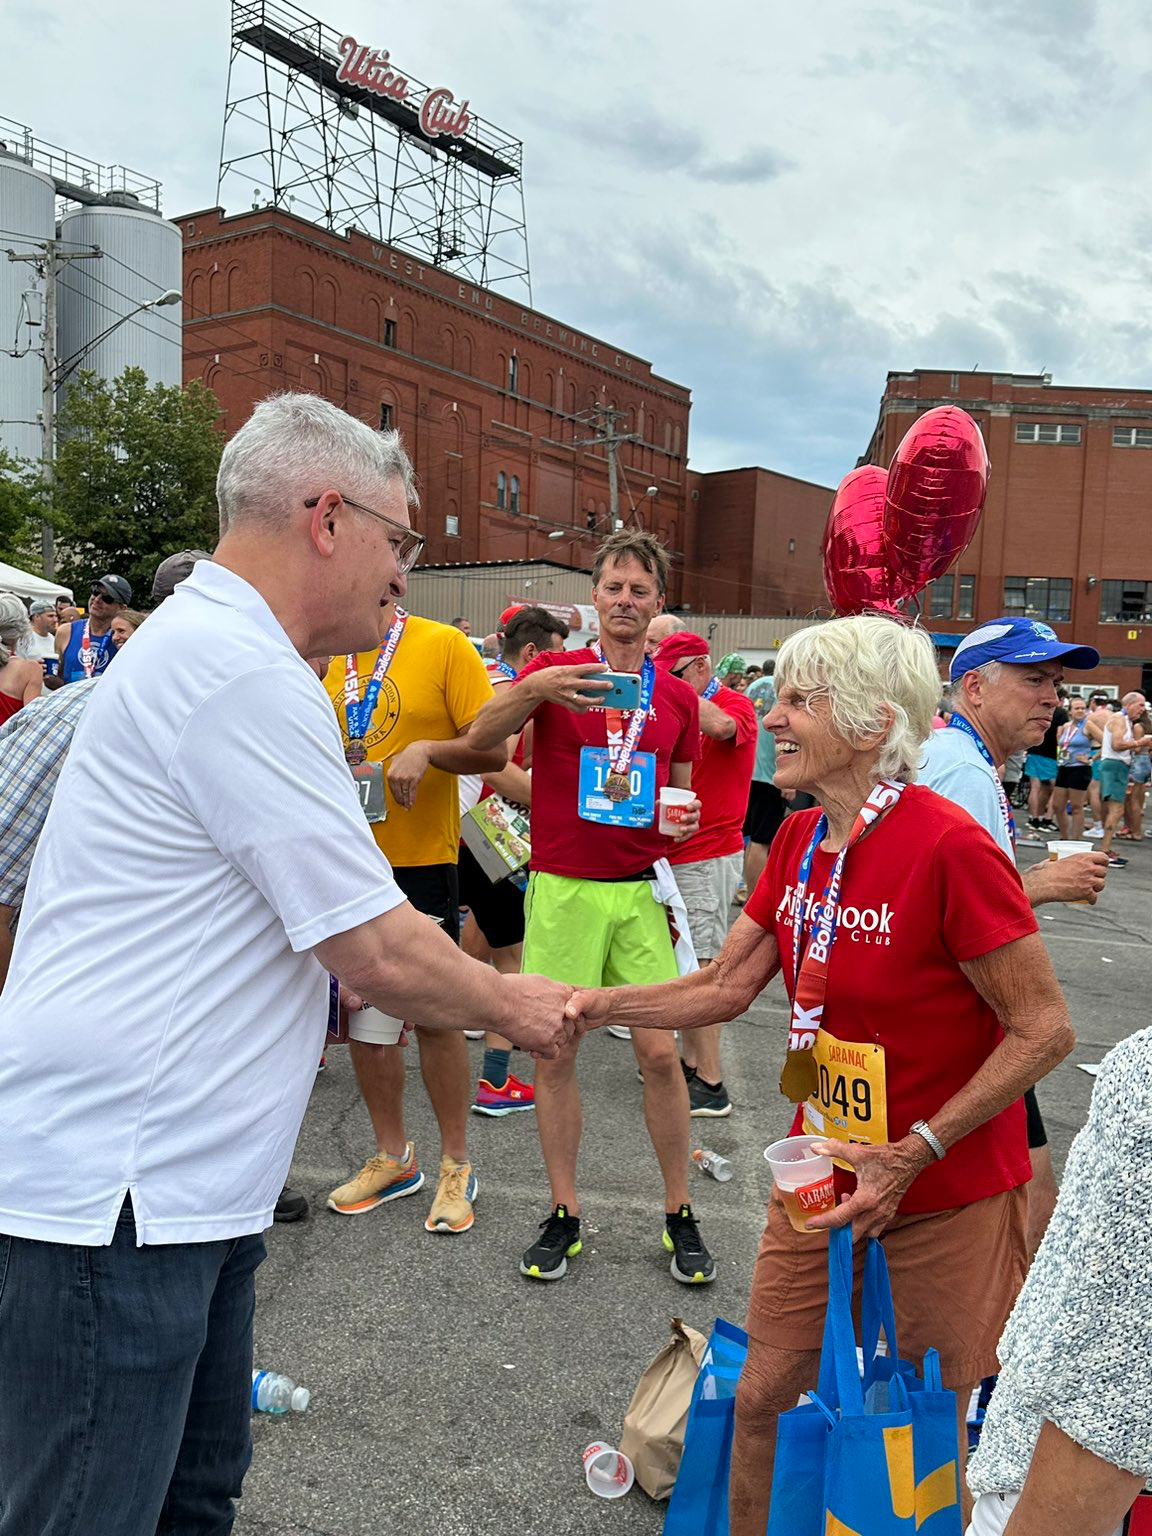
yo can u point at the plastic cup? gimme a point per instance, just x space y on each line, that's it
372 1027
607 1471
1068 851
673 803
803 1177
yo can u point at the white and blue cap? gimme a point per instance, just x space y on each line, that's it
1018 642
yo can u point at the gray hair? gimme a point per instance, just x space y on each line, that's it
877 674
294 445
14 625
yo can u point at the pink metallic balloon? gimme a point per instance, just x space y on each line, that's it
858 572
937 482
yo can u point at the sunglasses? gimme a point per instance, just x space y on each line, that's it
100 592
406 545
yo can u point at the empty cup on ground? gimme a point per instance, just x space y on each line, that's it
672 806
372 1027
607 1471
803 1177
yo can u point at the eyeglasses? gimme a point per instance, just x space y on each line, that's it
406 545
100 592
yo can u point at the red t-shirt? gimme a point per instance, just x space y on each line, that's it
924 890
563 844
721 783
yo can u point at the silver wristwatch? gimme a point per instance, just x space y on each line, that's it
922 1128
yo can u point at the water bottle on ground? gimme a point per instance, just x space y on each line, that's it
711 1163
273 1393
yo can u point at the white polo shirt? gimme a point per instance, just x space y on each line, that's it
955 767
164 1015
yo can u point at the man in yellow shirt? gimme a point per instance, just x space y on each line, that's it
402 710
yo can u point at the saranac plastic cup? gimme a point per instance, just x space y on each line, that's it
672 804
607 1471
803 1177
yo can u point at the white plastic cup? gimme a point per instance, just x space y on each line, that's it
607 1471
1067 850
672 806
803 1177
372 1027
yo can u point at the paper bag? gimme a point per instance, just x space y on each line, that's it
653 1437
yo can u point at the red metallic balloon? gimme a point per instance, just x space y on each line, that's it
858 572
937 482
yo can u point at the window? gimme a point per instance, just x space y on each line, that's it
1039 597
1132 437
791 546
513 373
452 525
514 494
1126 602
501 490
385 416
1046 432
940 598
966 598
389 333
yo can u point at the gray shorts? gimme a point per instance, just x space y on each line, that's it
708 889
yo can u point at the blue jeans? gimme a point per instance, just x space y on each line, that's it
125 1385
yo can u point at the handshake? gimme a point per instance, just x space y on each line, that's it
545 1016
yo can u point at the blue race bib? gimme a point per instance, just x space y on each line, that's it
593 804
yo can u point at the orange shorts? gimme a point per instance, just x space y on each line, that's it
955 1277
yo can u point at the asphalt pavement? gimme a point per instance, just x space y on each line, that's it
452 1397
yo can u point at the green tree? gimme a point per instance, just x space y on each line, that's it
135 477
20 512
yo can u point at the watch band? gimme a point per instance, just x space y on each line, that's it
922 1128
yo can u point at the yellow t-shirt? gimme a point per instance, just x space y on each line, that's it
435 688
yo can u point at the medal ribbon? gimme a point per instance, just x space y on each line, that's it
622 745
88 654
502 666
357 715
958 723
712 688
810 963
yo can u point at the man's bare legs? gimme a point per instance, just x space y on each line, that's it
1043 1192
755 858
559 1121
770 1383
666 1110
380 1072
700 1049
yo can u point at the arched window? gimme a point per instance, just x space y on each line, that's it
513 373
514 494
501 490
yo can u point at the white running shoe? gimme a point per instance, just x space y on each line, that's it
1096 831
473 1034
619 1032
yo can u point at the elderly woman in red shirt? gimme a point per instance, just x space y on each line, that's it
923 1006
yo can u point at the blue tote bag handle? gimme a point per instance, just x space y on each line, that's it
876 1309
840 1385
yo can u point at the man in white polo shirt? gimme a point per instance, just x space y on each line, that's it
141 1153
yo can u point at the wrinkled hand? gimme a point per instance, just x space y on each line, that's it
406 770
689 823
351 1002
590 1008
883 1175
1080 877
538 1020
567 685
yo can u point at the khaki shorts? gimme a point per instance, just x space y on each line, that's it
955 1277
709 888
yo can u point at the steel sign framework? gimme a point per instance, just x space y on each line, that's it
329 128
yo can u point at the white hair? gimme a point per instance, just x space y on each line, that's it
296 445
14 625
878 675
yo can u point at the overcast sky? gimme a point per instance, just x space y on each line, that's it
775 204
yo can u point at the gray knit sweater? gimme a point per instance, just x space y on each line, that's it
1077 1349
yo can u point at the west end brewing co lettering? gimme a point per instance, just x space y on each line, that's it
371 69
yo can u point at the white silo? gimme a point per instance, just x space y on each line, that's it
27 215
141 260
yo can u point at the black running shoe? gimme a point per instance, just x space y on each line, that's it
708 1102
691 1262
291 1206
559 1241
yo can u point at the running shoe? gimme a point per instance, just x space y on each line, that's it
382 1178
473 1034
323 1066
291 1206
1094 832
455 1194
692 1264
1115 863
619 1032
707 1103
559 1241
508 1100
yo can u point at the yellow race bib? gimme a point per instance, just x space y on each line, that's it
850 1101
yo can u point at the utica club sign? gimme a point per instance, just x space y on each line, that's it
372 69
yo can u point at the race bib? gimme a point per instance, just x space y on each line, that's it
594 804
369 781
850 1100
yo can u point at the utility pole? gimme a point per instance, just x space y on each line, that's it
49 259
604 419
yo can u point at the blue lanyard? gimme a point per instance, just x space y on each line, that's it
358 715
958 723
620 757
712 688
502 666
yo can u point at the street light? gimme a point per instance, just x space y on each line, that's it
66 368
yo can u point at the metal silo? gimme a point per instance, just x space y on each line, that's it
27 215
141 260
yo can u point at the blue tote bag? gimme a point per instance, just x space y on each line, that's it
699 1502
871 1456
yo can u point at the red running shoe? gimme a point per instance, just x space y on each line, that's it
513 1096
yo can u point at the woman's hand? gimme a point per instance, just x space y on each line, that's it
883 1176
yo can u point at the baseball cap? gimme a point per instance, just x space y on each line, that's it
508 615
679 648
115 588
1017 642
172 571
733 662
41 605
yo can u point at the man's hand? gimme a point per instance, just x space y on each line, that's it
538 1021
405 771
689 823
589 1008
1080 877
883 1175
568 685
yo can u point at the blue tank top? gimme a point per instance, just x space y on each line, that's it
1076 749
70 669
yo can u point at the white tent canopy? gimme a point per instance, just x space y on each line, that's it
28 586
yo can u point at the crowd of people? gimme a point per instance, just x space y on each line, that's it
289 825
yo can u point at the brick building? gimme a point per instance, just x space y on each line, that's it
486 393
1064 536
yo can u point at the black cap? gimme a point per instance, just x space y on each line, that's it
172 571
115 588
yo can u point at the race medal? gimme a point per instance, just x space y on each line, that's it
849 1098
369 781
800 1077
617 787
594 802
355 753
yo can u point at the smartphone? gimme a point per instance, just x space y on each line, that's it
624 694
